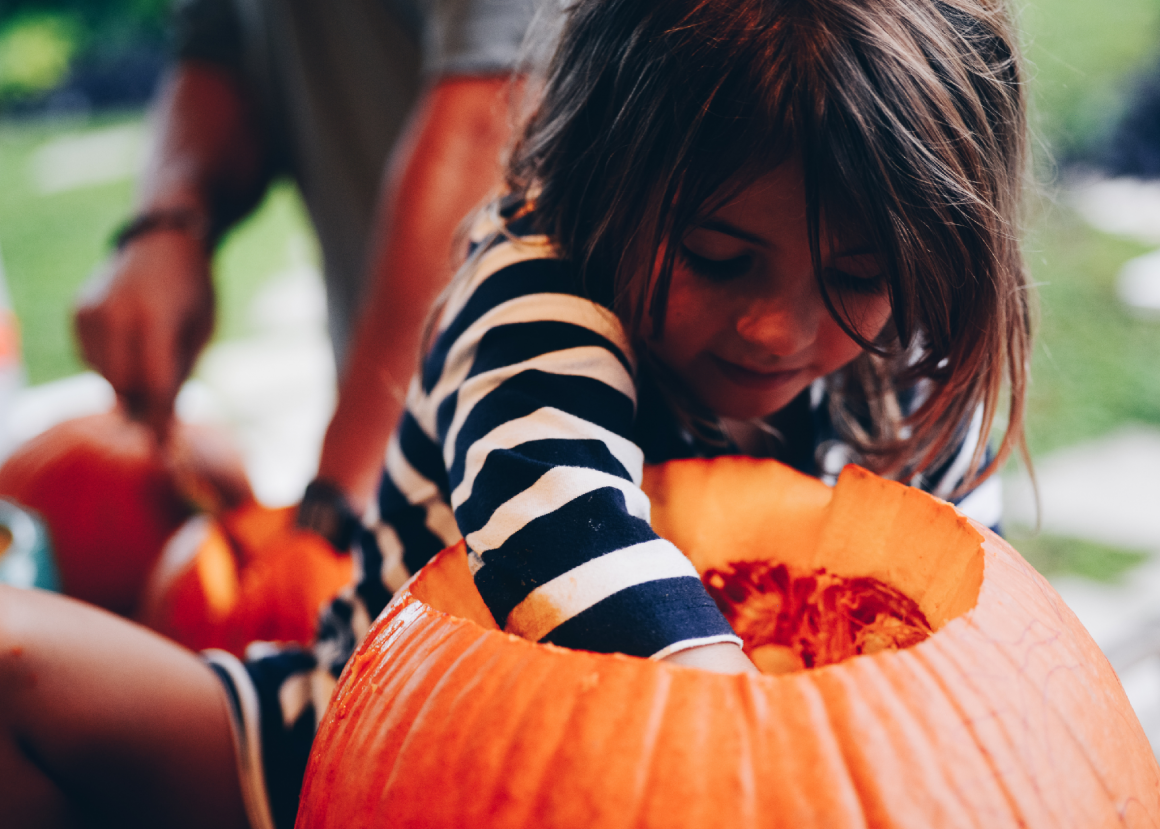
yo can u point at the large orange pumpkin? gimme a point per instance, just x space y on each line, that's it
1008 715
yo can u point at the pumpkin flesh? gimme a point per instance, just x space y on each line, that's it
245 576
793 621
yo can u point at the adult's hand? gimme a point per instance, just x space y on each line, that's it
144 317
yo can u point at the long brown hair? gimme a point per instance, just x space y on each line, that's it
909 119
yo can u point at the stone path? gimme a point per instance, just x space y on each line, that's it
1108 490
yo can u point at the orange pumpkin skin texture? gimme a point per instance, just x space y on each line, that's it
1008 715
111 497
249 575
101 486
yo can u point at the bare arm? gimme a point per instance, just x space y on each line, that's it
145 316
723 658
447 162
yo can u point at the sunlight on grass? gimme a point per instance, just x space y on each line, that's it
1079 54
1056 556
35 51
1096 366
51 242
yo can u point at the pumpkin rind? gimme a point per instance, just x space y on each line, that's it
1008 715
101 486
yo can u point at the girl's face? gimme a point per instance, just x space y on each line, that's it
746 327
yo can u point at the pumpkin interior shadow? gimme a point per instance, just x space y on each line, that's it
739 509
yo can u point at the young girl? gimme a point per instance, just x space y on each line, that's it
776 227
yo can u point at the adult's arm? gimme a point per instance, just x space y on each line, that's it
447 162
145 316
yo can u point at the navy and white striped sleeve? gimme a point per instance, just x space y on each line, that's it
530 393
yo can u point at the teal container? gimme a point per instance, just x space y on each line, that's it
26 560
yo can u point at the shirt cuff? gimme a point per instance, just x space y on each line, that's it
689 644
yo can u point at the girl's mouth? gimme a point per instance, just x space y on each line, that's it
750 379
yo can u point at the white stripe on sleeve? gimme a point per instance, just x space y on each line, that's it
542 424
421 492
546 307
488 264
571 593
247 739
590 362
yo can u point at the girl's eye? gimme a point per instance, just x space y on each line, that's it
855 284
717 270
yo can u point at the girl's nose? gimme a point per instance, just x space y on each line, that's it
782 325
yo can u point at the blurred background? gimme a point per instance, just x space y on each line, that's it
75 79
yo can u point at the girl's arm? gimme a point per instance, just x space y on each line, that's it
527 407
722 659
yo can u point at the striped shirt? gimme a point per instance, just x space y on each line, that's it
526 434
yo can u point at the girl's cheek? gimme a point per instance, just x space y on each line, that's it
868 319
869 316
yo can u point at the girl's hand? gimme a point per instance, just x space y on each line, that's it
722 658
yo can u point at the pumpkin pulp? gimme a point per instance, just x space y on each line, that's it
789 622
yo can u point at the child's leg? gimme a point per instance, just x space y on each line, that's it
102 719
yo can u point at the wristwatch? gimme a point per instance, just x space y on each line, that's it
325 510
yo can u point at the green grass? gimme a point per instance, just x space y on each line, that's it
1079 55
259 248
1055 556
50 244
1095 366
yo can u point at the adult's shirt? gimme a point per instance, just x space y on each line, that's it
332 84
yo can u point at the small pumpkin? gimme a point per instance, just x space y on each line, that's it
1007 715
101 485
247 575
171 535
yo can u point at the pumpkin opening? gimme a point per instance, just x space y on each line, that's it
875 540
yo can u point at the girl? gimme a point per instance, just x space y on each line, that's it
782 227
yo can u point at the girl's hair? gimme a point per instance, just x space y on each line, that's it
908 118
